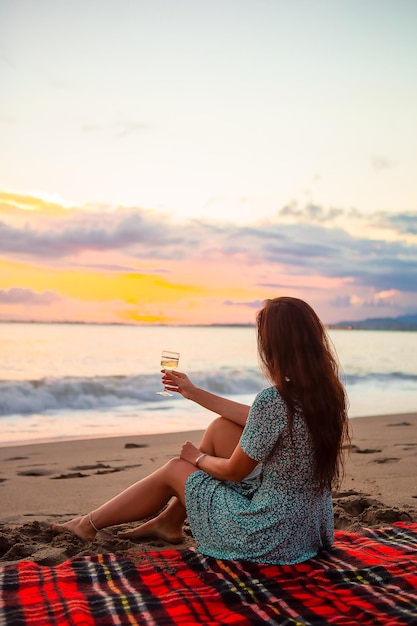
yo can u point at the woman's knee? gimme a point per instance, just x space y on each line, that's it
177 467
221 437
176 472
174 465
218 424
214 431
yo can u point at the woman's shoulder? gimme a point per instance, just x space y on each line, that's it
268 395
270 399
268 392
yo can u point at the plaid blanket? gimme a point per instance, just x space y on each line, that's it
366 578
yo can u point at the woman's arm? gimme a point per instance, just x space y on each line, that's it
235 469
179 382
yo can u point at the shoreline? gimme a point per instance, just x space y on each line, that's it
54 481
85 437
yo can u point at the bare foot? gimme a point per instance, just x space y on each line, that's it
154 529
79 526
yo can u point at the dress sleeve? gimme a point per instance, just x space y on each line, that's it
266 420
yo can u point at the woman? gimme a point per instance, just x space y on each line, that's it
258 487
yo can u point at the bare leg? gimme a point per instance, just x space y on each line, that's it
143 499
220 439
166 526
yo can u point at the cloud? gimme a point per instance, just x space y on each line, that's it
19 296
120 128
314 243
351 220
382 299
312 212
401 276
404 223
67 237
253 304
14 203
380 163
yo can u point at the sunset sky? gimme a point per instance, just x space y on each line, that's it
179 161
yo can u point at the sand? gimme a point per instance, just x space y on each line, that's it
47 482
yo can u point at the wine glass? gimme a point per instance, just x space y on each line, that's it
169 361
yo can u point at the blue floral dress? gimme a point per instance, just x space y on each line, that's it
276 516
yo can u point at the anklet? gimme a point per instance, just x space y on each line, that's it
92 523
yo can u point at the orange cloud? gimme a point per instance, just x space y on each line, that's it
10 202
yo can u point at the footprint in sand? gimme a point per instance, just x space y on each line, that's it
364 511
387 460
90 467
348 492
34 472
71 475
366 450
407 447
400 424
100 468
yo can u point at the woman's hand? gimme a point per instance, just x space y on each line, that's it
179 382
189 452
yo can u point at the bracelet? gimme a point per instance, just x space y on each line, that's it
198 459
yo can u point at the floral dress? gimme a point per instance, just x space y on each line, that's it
276 515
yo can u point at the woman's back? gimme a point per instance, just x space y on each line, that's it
279 518
288 495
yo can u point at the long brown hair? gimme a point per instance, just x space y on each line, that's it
297 357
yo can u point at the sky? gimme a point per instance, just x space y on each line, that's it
179 161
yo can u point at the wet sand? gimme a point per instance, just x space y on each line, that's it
49 482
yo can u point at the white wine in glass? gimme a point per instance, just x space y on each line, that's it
169 361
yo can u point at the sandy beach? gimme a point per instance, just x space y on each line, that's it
42 483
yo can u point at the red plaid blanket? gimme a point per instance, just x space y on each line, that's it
367 578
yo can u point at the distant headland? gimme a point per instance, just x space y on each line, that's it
404 322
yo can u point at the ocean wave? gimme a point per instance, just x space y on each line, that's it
106 392
379 378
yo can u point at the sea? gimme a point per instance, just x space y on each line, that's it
79 381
